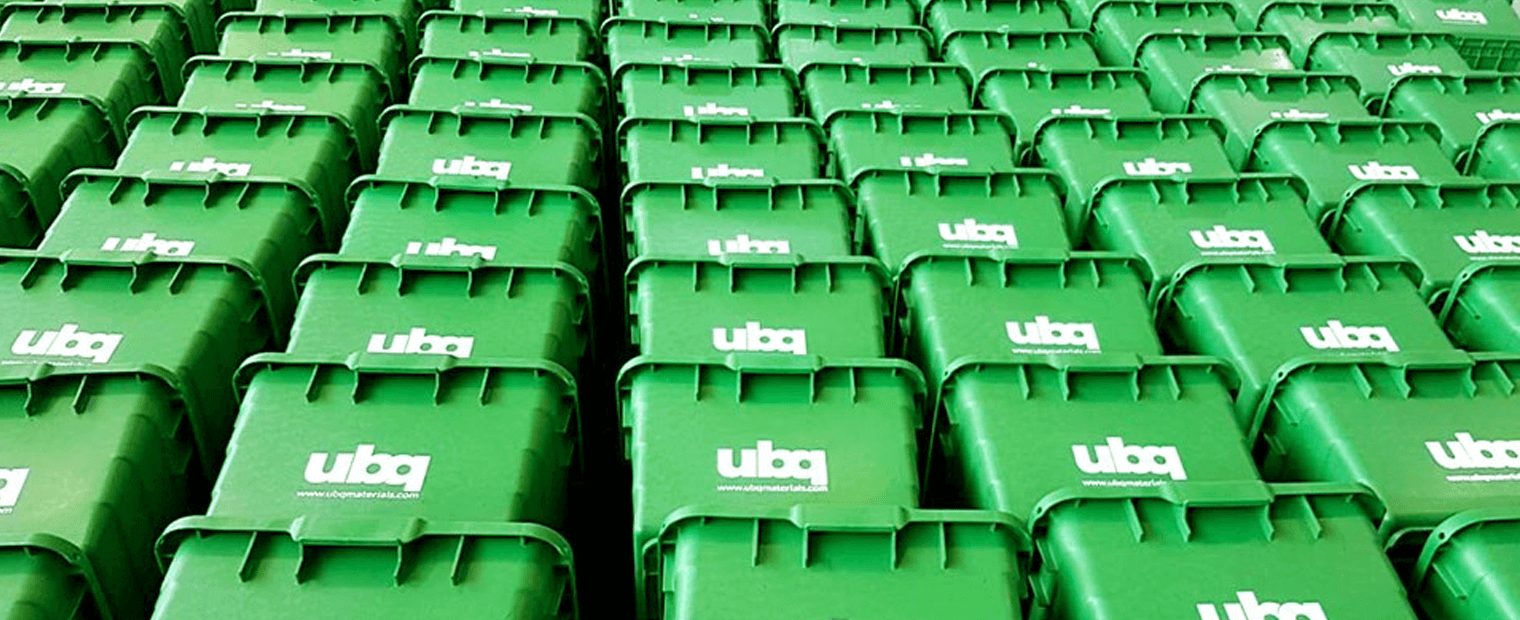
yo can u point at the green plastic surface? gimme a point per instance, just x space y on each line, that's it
1211 550
94 470
1461 107
1336 157
773 308
41 141
861 562
113 77
849 13
1378 60
700 91
801 45
1016 432
523 38
1119 27
421 222
983 53
1087 307
1465 570
1090 152
947 17
904 215
1172 223
591 12
698 220
509 88
226 568
844 433
1246 105
263 228
468 312
1304 24
834 89
1178 62
84 314
312 151
722 150
353 93
371 40
632 41
158 29
715 11
403 13
961 142
1270 314
340 439
490 150
1030 97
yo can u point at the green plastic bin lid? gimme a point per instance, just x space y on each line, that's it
1248 104
463 310
81 312
419 222
1461 106
403 13
837 88
634 41
1449 539
93 471
309 567
1477 311
904 216
1119 26
983 53
258 226
849 13
654 90
368 39
973 141
509 87
591 12
1378 60
1031 96
297 449
41 140
1171 223
842 562
801 45
722 150
1443 228
154 30
702 220
1303 24
947 17
697 11
354 93
1179 62
519 37
1015 431
115 77
774 306
490 150
1271 313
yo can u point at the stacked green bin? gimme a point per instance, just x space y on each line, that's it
834 89
370 40
1181 552
490 149
843 433
591 12
509 87
380 568
651 90
160 30
94 470
907 215
981 53
115 77
1178 63
1246 105
1030 97
43 140
1306 25
1377 60
1171 224
800 45
841 562
1120 28
946 17
963 142
403 13
858 13
721 149
1335 157
1266 314
1463 572
1485 32
1090 152
630 41
714 11
1461 107
700 220
506 36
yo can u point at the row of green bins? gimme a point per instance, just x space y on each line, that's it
96 466
828 434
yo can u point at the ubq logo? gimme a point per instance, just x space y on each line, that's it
148 242
468 166
498 104
724 171
1077 110
11 482
1337 336
1459 16
1249 608
364 466
418 342
1221 238
1410 68
68 341
33 87
1116 458
1374 171
742 244
767 462
450 247
269 104
752 337
930 159
978 234
1481 242
1467 453
1149 167
1043 331
1496 115
1296 114
210 164
713 109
